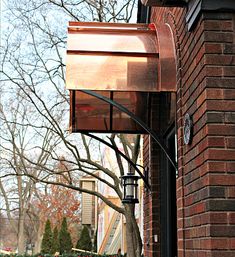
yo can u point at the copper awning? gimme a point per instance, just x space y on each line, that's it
120 57
124 62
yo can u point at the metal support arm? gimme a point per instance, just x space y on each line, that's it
138 121
123 155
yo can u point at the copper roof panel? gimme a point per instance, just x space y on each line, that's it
104 56
93 115
104 72
125 42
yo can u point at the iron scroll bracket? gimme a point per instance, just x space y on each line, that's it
135 166
138 121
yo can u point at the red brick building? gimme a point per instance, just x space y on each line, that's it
189 212
192 212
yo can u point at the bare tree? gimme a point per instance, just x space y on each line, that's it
33 69
16 141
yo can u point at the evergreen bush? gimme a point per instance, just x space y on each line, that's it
47 239
84 242
55 241
65 241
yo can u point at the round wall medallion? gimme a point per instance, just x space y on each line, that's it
188 125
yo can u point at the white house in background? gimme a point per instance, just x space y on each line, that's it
89 203
109 224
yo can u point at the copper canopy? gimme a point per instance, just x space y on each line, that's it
120 57
124 62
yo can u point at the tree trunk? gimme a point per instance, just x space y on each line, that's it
134 242
37 247
21 237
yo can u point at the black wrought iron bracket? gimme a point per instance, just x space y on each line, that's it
135 166
138 121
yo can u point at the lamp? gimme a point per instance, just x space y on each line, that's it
130 186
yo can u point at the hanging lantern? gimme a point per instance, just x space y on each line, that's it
130 188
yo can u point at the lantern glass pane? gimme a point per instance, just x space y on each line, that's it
130 191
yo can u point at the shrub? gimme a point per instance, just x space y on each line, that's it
84 242
55 241
65 241
47 239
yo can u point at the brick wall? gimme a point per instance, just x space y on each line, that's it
208 164
205 90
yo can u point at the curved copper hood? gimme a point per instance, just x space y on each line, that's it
120 57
